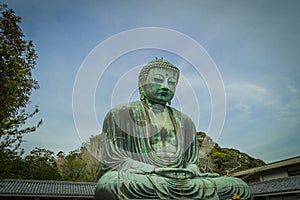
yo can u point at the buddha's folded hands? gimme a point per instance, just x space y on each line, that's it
137 167
175 173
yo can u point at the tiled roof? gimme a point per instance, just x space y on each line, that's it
14 187
280 185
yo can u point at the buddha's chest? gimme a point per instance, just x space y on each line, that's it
163 134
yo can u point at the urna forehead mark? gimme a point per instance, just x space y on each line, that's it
167 72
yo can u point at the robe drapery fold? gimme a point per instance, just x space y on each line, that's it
127 129
132 169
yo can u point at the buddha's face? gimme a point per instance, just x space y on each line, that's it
160 85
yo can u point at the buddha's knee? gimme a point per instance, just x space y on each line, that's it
106 187
228 186
101 193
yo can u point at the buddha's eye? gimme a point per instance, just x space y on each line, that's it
158 79
172 82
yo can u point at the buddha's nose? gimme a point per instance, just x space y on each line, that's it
165 89
165 86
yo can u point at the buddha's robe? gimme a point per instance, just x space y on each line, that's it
135 168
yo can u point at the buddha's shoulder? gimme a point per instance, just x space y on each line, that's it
180 115
129 106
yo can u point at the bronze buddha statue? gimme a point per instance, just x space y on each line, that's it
150 150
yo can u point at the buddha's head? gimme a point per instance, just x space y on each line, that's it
157 82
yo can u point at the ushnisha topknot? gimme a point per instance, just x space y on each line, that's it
161 63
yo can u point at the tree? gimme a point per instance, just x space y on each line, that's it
82 164
224 161
72 167
12 167
16 82
206 144
17 61
41 164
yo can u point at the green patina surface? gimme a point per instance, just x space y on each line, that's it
150 150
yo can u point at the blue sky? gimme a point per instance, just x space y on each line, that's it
254 44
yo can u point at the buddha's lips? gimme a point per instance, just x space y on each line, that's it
165 93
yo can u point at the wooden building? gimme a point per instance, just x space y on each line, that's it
275 181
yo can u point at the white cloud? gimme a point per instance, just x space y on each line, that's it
249 97
246 96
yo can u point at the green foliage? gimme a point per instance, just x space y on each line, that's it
41 164
224 161
11 166
16 83
17 60
73 167
81 165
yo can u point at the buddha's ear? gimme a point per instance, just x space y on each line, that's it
169 102
143 98
142 93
